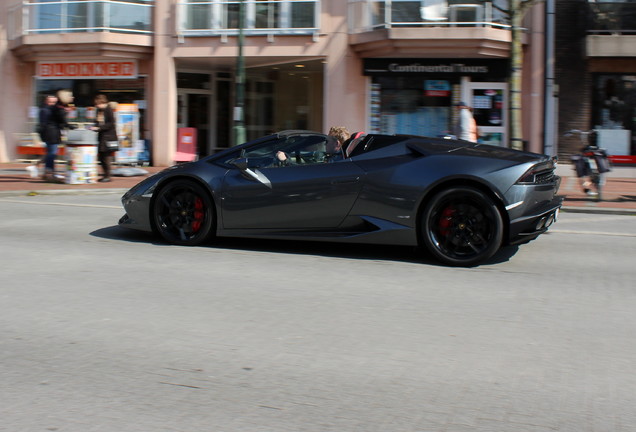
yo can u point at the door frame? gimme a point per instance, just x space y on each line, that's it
182 107
468 88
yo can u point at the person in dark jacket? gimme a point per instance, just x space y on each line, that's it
52 119
105 125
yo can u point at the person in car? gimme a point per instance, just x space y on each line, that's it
341 134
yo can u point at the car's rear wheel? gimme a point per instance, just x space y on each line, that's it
462 226
183 213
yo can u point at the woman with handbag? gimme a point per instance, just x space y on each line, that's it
106 134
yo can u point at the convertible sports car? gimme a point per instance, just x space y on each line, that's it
459 200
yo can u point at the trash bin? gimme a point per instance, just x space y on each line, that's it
81 157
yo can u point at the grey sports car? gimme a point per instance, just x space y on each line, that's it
459 200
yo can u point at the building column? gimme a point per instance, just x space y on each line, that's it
345 89
163 88
534 82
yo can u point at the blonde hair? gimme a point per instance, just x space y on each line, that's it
340 132
65 96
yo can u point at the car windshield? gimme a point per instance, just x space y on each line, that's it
286 151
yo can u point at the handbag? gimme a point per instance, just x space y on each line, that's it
112 145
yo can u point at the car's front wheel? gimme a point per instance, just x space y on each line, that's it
462 226
183 213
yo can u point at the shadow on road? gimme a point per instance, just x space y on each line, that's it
405 254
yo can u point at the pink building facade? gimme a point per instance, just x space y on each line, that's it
375 66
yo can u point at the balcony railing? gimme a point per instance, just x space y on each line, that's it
611 18
72 16
272 17
367 15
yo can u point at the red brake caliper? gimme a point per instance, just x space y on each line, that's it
198 214
445 220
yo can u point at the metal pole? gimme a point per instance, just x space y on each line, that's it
239 122
550 116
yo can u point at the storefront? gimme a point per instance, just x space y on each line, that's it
416 96
277 97
614 114
119 80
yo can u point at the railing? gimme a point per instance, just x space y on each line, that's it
221 17
367 15
611 18
72 16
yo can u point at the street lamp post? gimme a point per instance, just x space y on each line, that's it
239 116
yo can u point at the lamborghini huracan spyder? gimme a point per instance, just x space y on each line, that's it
459 200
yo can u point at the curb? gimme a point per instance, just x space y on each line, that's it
600 210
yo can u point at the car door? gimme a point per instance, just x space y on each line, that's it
308 193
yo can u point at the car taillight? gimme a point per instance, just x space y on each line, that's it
541 173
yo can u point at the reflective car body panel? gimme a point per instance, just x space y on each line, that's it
326 192
373 192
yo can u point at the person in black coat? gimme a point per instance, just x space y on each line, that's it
105 125
52 119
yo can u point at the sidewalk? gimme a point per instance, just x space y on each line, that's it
619 192
16 181
619 195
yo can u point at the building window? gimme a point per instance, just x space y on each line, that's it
66 16
613 17
218 17
366 15
614 112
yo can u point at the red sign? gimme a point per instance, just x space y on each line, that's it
87 69
186 145
437 93
623 159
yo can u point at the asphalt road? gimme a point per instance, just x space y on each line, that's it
103 329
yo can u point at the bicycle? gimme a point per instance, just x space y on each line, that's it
592 162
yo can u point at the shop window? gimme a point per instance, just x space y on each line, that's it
488 107
614 112
413 106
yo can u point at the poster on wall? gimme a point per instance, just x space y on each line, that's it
376 117
437 88
128 134
488 106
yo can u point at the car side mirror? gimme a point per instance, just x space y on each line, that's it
252 174
240 163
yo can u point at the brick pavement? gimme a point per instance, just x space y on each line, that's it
15 179
619 194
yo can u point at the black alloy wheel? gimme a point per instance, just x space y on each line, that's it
462 226
183 213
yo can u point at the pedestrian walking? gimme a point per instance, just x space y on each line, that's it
466 128
107 142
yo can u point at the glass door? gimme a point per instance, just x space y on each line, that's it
193 110
490 109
